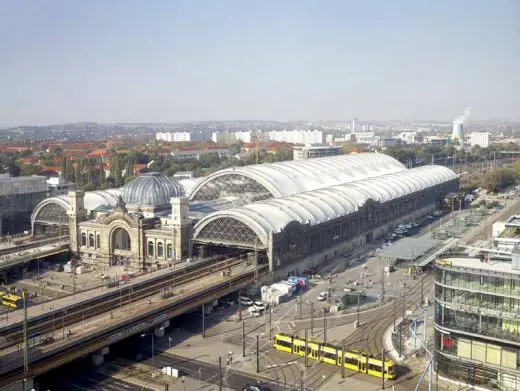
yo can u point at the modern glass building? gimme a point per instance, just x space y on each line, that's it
477 322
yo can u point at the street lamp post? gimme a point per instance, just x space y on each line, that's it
63 323
153 350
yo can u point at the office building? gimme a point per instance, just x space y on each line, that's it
314 151
297 136
18 197
477 322
480 139
189 137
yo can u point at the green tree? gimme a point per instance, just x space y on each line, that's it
89 187
13 169
130 178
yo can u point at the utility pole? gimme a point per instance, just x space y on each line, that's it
383 367
257 354
395 309
63 323
358 324
270 323
306 350
243 339
25 336
324 328
382 285
74 281
239 308
130 299
220 373
422 291
203 326
53 328
343 360
312 319
41 293
300 306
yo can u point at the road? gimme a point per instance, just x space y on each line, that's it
206 372
76 378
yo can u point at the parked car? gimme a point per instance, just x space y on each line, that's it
322 296
254 312
259 306
243 300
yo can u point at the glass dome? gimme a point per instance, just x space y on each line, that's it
151 190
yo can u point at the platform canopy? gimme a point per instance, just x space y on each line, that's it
408 249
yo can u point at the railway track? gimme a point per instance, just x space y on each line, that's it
58 319
369 337
67 350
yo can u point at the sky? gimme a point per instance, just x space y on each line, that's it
190 60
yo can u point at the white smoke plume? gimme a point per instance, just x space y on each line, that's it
463 118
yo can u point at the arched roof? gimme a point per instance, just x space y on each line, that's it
93 200
318 206
298 176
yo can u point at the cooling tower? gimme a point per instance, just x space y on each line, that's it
458 132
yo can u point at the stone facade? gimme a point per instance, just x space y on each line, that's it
123 238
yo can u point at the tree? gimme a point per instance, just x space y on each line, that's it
348 147
13 169
236 148
129 179
89 187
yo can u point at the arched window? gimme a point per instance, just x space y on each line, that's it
169 250
98 241
150 249
91 240
160 250
83 239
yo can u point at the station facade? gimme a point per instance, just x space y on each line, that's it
291 215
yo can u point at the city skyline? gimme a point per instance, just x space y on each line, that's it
164 62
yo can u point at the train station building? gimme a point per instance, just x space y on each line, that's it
291 215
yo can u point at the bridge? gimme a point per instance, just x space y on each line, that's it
98 322
18 254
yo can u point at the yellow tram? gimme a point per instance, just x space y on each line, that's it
12 301
354 360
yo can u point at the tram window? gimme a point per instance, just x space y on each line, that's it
374 367
283 343
332 356
351 361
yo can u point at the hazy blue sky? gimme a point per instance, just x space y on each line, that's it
109 60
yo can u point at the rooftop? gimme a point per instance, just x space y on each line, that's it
408 249
513 221
492 266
